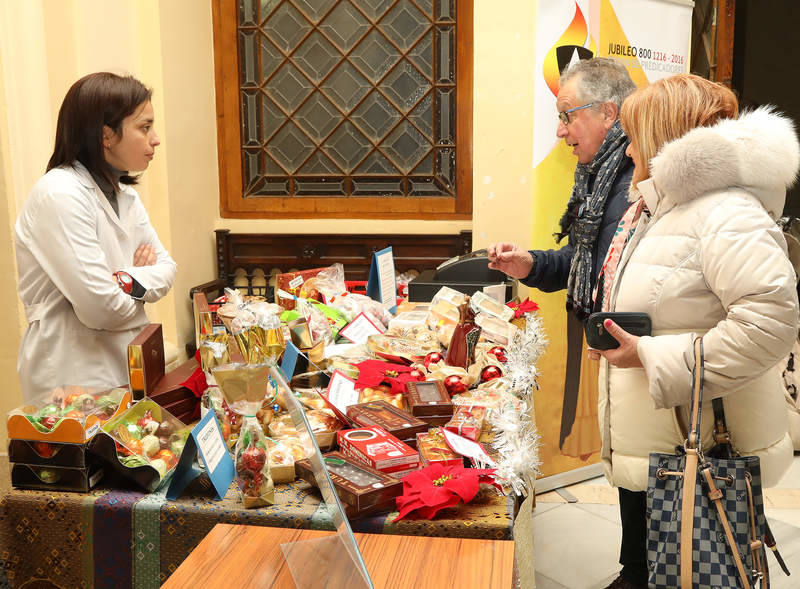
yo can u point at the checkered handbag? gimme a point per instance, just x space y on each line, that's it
723 547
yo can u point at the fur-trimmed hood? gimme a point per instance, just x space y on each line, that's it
758 152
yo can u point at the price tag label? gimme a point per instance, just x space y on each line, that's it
359 329
465 447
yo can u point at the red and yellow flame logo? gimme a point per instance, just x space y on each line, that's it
577 33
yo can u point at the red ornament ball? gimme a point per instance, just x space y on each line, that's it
490 372
499 352
432 358
455 385
417 374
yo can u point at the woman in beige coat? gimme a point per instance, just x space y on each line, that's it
704 257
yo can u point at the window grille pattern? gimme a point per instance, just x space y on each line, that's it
347 97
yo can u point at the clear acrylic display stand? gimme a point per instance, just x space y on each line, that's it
335 561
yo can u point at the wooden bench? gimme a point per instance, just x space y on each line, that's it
249 261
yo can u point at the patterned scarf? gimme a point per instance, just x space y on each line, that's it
584 215
625 230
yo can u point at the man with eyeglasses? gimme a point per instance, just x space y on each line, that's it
589 99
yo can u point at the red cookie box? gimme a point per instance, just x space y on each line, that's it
358 485
467 421
378 449
292 283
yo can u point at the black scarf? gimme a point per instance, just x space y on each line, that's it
584 215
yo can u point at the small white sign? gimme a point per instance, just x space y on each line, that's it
465 447
211 444
359 329
387 279
497 292
295 282
342 391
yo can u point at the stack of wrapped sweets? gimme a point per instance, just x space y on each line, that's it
48 438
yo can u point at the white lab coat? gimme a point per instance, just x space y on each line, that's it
69 242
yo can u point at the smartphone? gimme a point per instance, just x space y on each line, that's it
598 338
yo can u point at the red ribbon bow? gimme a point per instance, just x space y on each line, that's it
525 306
371 373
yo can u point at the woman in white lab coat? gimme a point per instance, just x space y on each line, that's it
87 257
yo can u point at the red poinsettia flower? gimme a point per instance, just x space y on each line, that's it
525 306
435 487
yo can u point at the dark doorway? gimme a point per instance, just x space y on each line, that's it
766 55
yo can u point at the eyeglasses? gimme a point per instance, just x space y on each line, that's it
563 115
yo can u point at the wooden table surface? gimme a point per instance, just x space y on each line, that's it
233 556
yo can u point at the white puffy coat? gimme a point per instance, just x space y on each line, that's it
710 261
69 242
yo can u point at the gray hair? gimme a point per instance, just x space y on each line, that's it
602 79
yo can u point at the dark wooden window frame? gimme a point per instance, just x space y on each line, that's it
234 205
713 39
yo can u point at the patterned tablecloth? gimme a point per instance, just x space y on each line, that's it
117 539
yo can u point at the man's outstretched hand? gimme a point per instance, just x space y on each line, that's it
510 259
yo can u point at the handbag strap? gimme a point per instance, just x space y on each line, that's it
690 468
716 497
693 457
687 516
722 437
693 439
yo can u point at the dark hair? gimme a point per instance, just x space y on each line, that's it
95 100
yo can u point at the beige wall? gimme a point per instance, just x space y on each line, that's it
45 45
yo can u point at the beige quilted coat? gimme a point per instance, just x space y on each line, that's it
710 261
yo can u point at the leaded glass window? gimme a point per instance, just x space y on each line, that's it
360 107
347 97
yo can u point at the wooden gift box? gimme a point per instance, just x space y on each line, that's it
357 485
428 398
401 424
436 420
149 379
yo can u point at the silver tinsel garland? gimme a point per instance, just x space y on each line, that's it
521 357
516 437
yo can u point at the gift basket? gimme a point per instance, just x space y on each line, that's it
143 444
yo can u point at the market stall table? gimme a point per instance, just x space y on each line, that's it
116 539
245 556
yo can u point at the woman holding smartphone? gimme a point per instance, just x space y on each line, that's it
699 251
